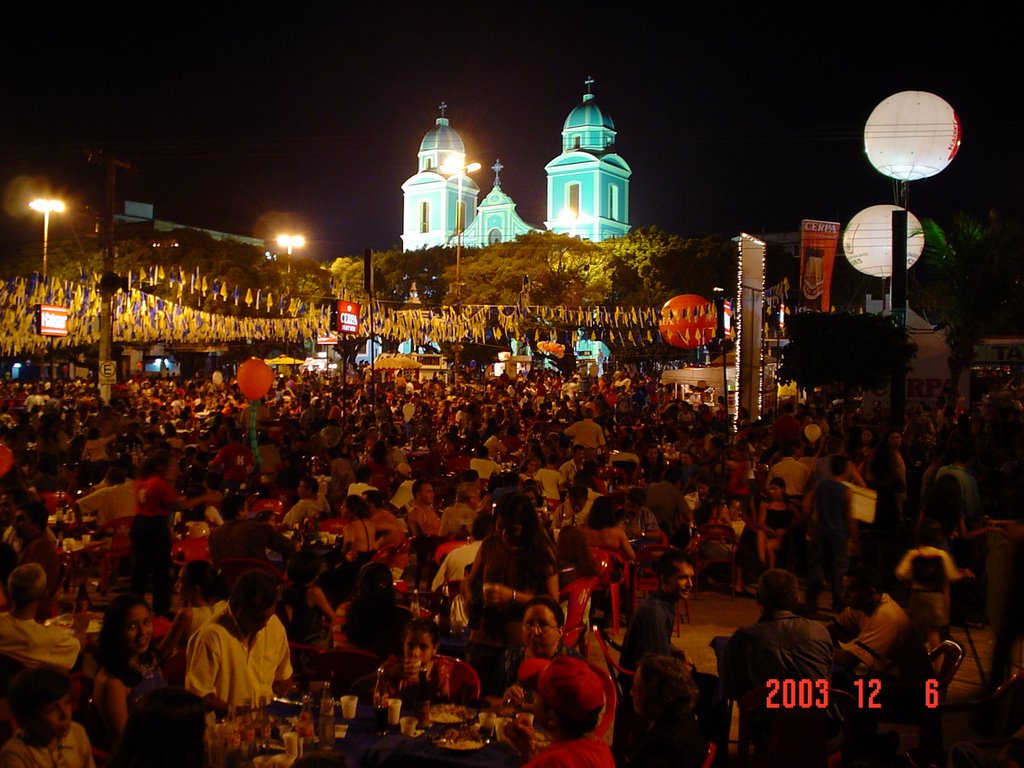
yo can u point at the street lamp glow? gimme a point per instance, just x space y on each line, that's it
46 207
291 241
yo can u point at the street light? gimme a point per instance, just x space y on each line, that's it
289 242
454 168
45 207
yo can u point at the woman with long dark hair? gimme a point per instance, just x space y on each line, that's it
129 666
514 564
373 619
165 731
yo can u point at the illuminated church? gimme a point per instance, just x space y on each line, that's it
587 187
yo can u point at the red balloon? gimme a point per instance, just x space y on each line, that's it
688 321
6 459
254 378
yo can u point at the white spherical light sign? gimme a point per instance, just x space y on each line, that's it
867 240
912 135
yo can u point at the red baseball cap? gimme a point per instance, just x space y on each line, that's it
568 685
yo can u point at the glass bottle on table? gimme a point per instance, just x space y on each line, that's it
423 698
326 720
381 694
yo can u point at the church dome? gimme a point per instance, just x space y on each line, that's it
442 137
588 114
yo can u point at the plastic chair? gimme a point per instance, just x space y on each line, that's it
617 672
444 548
120 548
725 535
799 737
608 564
174 666
263 507
645 580
463 681
391 555
334 525
1002 712
577 592
187 550
610 701
903 703
709 758
233 567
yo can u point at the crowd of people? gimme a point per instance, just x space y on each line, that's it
534 475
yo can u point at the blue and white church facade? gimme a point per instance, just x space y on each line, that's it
587 188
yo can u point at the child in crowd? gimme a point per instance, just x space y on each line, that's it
929 570
40 700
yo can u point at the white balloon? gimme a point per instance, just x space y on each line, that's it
912 135
218 378
867 241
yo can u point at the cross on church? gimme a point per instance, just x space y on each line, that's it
442 106
588 82
497 172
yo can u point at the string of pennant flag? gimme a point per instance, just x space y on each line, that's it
141 317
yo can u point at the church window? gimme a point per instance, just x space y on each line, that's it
494 236
428 163
613 202
576 142
572 198
424 217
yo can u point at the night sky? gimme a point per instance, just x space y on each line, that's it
311 119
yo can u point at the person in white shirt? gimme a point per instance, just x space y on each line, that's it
115 499
309 505
455 563
25 640
243 653
483 464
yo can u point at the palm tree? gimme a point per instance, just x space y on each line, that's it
975 272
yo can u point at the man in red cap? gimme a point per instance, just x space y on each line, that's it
568 705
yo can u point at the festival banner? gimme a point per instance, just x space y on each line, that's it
818 243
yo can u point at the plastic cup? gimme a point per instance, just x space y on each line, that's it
291 744
408 725
348 707
86 538
394 711
525 719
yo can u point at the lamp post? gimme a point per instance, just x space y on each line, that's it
45 207
289 242
460 170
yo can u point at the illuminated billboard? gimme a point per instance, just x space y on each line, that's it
52 321
348 317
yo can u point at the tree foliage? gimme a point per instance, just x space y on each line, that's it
844 351
975 274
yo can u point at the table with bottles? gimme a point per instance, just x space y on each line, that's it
276 733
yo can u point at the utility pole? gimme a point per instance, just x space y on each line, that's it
109 280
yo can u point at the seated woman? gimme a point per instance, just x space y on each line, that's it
40 700
203 593
603 529
664 696
303 608
775 517
128 663
543 623
419 651
359 538
374 621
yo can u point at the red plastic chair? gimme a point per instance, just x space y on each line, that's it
187 550
334 525
610 563
577 592
174 667
645 580
725 535
610 701
233 567
268 507
120 548
391 555
443 549
463 681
